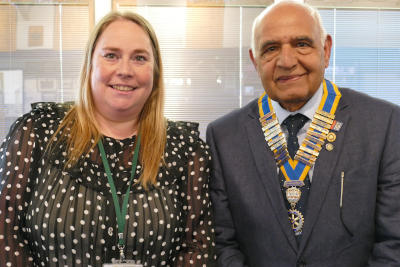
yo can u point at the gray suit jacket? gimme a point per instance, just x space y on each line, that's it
252 225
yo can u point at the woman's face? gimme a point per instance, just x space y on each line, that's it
122 71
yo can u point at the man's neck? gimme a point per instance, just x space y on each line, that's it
308 109
293 106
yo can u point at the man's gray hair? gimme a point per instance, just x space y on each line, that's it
311 10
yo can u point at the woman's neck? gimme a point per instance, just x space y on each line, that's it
117 129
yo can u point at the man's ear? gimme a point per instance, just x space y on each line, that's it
252 58
327 49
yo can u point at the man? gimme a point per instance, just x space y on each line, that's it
333 200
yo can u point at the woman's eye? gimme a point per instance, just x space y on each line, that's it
140 58
110 56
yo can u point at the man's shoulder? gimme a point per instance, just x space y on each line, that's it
361 100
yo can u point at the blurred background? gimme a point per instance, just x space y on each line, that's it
204 45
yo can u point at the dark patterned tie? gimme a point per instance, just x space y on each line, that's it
293 124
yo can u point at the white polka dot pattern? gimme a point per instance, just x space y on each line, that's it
51 216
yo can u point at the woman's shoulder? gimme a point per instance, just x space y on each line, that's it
43 116
184 136
183 129
50 109
38 124
48 114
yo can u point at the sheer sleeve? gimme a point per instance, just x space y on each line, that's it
16 163
198 245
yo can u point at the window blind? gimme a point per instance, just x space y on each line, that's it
199 49
366 50
208 71
41 50
204 49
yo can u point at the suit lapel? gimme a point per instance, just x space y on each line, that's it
322 175
268 176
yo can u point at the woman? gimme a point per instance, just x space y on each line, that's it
109 178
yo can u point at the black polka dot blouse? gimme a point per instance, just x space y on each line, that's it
52 216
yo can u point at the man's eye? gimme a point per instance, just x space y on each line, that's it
270 49
303 44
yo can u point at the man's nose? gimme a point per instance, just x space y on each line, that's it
287 57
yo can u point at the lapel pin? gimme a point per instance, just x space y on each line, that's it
331 137
336 125
329 147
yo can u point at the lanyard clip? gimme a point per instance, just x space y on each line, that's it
121 247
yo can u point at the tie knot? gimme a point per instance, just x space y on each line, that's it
294 123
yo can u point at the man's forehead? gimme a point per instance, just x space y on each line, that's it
285 15
287 28
287 9
286 32
287 38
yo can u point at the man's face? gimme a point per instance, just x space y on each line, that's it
289 56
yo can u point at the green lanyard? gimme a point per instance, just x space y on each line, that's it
121 213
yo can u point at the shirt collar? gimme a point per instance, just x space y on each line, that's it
307 110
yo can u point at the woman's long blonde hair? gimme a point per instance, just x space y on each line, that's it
81 122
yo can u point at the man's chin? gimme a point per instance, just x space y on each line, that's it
293 103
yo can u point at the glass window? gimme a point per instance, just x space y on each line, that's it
207 67
204 49
41 51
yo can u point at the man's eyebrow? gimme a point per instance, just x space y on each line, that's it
304 38
295 39
268 43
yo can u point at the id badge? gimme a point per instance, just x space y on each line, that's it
125 263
